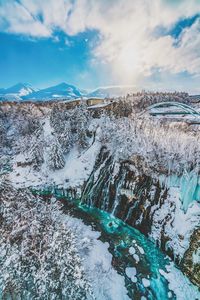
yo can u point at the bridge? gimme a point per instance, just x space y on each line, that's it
185 110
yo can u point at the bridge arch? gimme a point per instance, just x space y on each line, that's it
187 108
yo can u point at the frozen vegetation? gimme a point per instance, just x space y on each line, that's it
39 257
114 156
46 254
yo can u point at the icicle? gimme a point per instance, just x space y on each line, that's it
188 185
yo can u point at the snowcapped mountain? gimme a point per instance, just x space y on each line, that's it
17 91
112 91
62 90
24 91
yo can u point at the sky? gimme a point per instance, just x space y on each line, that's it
149 44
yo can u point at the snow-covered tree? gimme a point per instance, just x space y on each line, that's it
80 125
39 258
35 151
56 159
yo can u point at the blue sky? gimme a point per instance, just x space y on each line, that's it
148 44
47 61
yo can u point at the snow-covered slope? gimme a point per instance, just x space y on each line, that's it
111 91
24 91
62 90
17 91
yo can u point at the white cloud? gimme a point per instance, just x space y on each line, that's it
16 18
126 29
128 44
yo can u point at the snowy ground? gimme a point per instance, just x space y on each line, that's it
97 259
180 284
179 226
106 283
77 169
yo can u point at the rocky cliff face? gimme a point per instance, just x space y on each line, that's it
147 204
190 263
144 171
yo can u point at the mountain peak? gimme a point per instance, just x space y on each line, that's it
61 90
63 85
18 90
20 85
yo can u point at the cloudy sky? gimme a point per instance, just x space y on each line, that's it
152 44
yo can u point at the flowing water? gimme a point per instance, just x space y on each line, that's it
148 272
135 257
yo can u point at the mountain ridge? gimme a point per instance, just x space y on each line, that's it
63 90
18 90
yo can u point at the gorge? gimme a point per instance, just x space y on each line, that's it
132 176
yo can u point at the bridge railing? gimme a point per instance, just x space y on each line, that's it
187 108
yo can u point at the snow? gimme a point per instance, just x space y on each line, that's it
17 91
196 257
136 257
105 281
145 282
132 250
134 279
169 294
57 96
131 273
25 91
179 226
141 249
76 170
180 284
99 105
47 130
79 165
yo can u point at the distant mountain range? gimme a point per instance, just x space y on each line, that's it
111 91
62 90
24 91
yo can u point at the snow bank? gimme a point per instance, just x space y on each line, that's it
179 225
76 170
106 283
179 284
